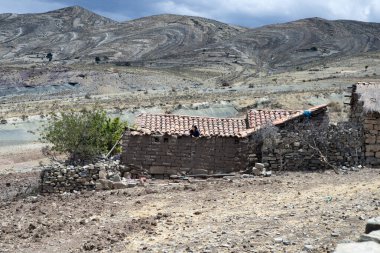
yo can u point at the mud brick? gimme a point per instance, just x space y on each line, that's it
370 121
157 169
172 171
369 154
373 148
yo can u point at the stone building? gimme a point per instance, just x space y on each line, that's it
365 110
162 145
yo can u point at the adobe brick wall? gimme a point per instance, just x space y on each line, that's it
370 126
166 155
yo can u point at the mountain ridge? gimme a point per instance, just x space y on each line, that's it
74 34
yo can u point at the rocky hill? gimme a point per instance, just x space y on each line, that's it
303 41
77 35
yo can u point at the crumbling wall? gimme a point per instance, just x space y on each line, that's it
312 144
167 155
59 178
296 150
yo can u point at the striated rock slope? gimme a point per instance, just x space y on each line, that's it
76 35
307 40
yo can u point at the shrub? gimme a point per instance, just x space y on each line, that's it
335 106
84 135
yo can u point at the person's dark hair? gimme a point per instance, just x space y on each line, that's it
196 128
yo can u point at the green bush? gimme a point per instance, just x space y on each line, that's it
82 135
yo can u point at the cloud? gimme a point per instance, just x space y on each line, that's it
254 12
29 6
242 12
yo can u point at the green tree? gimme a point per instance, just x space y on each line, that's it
113 130
82 135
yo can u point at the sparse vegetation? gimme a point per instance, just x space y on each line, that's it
82 135
335 106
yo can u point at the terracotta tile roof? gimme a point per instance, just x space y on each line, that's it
148 124
259 118
180 125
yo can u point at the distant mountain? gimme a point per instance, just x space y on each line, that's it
75 34
307 40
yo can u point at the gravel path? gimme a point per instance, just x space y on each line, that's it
288 212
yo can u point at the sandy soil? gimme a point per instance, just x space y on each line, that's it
288 212
17 158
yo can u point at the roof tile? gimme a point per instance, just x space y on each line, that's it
233 127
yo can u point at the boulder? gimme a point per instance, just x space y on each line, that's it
127 175
115 178
267 173
102 174
106 184
259 166
372 225
256 171
362 247
373 236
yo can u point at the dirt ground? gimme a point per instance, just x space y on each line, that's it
288 212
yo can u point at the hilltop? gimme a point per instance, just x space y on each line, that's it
75 35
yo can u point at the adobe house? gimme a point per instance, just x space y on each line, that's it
365 110
161 143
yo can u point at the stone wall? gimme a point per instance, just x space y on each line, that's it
59 178
167 155
295 150
301 143
370 126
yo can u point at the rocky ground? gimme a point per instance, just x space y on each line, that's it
288 212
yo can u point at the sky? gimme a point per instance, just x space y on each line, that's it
249 13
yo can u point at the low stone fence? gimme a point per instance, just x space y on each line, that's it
59 178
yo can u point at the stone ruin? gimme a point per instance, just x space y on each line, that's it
365 111
103 175
161 147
